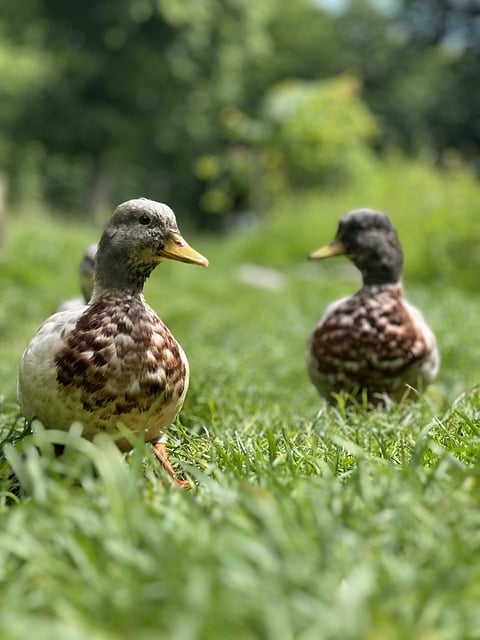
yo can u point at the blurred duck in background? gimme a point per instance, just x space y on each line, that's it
374 342
85 272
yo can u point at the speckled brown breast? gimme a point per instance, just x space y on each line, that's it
368 341
121 363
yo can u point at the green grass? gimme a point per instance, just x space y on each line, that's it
301 521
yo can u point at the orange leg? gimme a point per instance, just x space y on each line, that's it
160 452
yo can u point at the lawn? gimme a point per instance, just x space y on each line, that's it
301 520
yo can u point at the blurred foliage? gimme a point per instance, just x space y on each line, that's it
317 127
306 134
133 97
214 105
451 27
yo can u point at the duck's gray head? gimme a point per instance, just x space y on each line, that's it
370 241
139 235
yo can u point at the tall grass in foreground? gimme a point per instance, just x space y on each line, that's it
301 521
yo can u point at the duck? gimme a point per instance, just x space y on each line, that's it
373 344
113 363
85 274
85 271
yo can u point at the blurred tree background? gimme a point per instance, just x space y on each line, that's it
217 105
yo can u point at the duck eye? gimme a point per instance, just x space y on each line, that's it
144 219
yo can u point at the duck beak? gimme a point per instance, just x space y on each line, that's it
333 248
176 248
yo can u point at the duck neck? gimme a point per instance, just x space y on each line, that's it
119 272
373 289
383 277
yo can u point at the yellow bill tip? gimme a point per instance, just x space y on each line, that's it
333 248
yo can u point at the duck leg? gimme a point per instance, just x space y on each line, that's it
160 451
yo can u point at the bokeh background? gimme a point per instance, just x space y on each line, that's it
219 106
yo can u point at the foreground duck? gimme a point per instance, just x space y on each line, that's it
114 362
373 342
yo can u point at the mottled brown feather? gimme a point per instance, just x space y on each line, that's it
368 341
121 354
